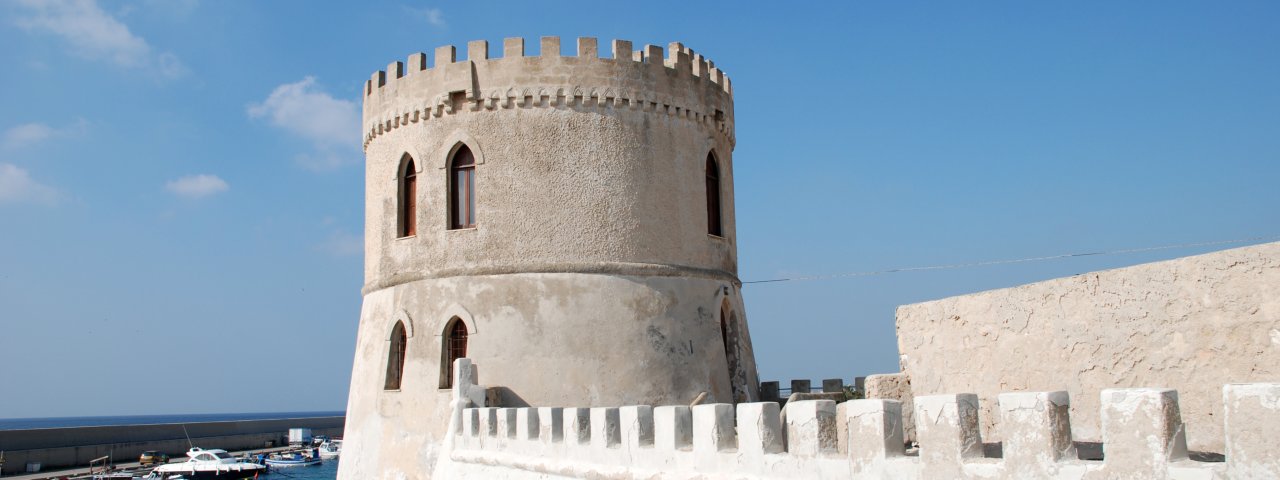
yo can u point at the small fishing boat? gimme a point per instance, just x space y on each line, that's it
208 465
294 459
331 448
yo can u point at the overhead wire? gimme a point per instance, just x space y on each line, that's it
1010 261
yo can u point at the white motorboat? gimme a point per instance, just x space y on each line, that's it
331 448
204 464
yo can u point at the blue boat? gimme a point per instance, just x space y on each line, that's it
294 459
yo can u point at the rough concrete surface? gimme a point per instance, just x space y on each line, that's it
1191 324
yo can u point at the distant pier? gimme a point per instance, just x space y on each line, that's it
57 448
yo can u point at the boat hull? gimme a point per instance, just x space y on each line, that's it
291 463
230 474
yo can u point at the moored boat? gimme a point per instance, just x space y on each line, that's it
294 459
331 448
210 464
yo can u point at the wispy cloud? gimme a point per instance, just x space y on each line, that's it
433 16
332 125
341 243
29 134
94 33
196 186
17 186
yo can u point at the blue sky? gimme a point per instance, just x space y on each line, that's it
181 181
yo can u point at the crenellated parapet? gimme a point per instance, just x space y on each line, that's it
1144 438
678 84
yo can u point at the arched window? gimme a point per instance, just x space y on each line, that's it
408 198
395 357
455 347
462 189
713 196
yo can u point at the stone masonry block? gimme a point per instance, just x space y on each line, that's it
833 385
527 425
637 426
478 50
587 48
507 422
801 386
512 47
605 431
653 54
672 427
550 47
1036 429
759 428
874 429
445 55
1252 421
769 391
1142 432
577 426
550 424
713 429
471 423
488 421
417 62
947 426
622 50
811 427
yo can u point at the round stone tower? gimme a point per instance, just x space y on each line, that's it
565 222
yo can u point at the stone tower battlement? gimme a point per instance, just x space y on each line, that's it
681 84
564 220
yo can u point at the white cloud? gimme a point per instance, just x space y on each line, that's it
93 33
433 16
17 186
331 125
341 243
196 186
29 134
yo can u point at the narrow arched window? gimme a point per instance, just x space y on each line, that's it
455 347
408 213
713 196
462 189
395 357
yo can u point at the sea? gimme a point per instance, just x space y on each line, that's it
325 471
60 422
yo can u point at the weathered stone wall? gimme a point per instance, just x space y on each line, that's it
1143 437
1192 324
590 278
540 339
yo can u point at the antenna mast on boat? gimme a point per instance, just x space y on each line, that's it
185 434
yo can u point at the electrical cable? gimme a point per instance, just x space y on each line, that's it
1005 262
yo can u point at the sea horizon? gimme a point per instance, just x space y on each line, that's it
117 420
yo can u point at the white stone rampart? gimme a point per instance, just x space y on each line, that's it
1144 438
1191 323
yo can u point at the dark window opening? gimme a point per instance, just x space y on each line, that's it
713 197
408 199
462 189
395 357
455 347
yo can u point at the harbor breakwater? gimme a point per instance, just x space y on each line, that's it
76 446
